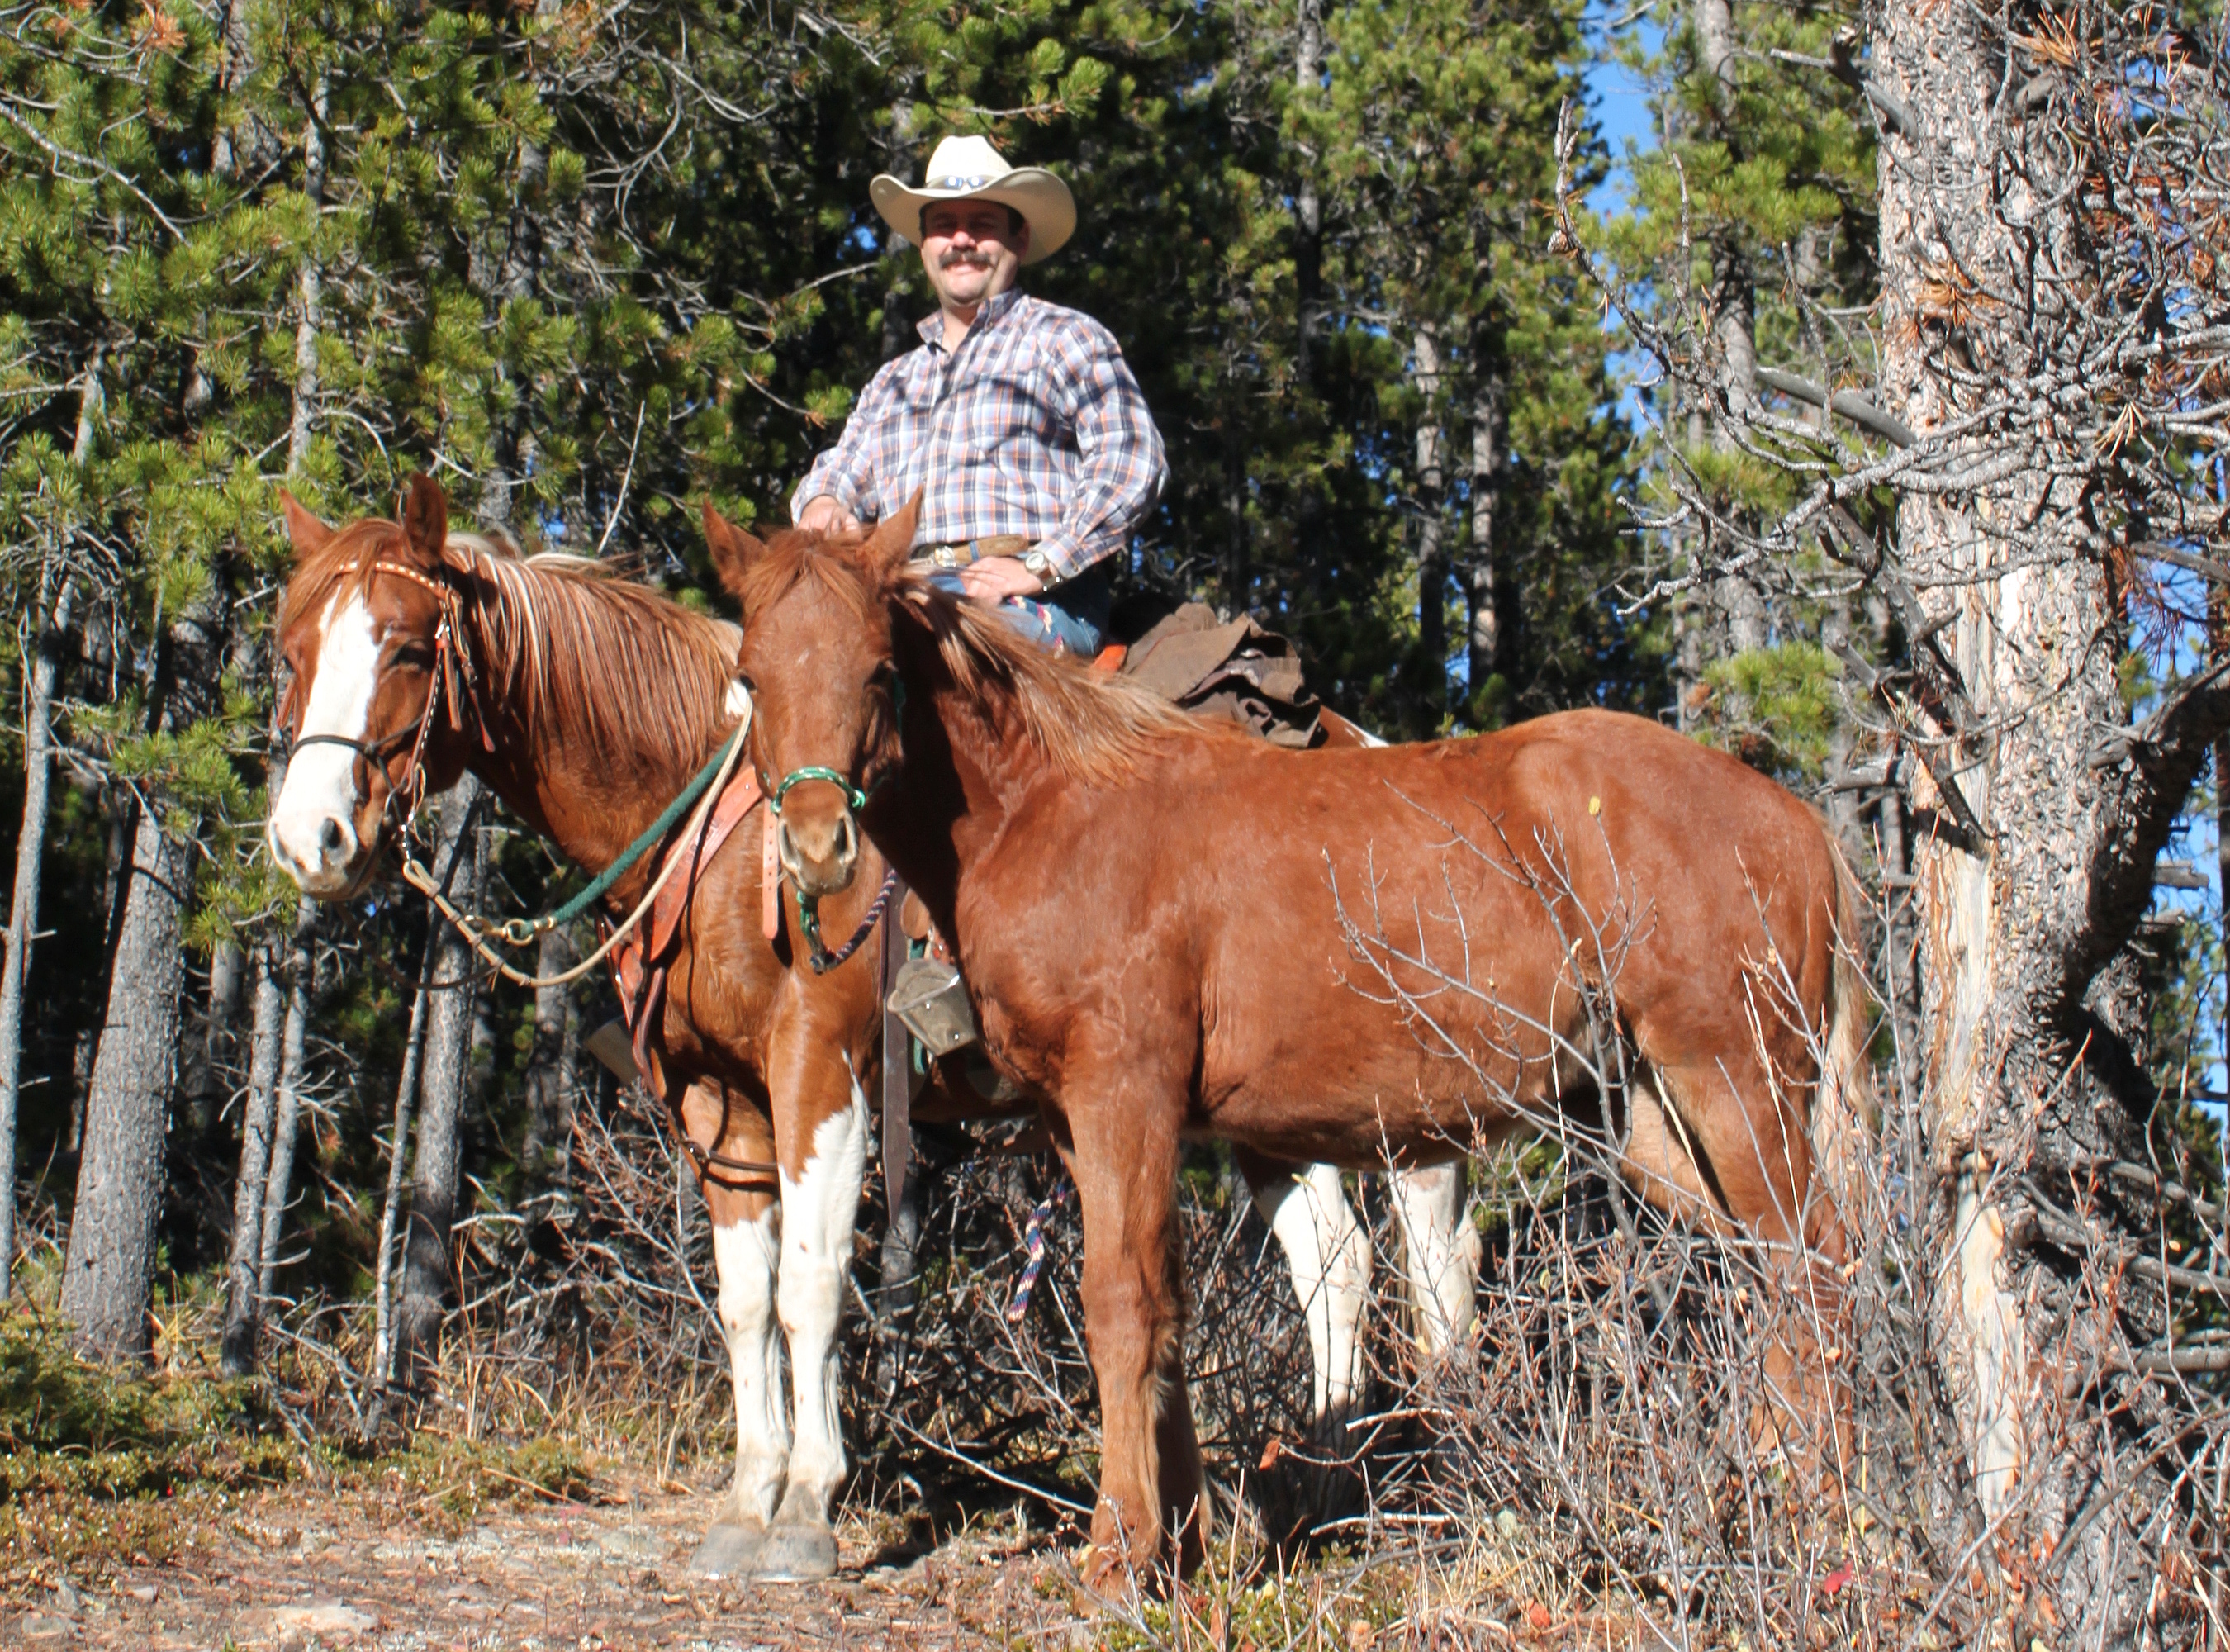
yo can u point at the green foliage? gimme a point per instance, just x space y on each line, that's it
1778 708
67 1426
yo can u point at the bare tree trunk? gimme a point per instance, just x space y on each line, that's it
209 1059
406 1096
1238 550
23 910
2034 1066
301 967
1490 593
1308 209
550 1065
1430 694
441 1095
309 291
257 1117
1734 303
30 845
111 1265
899 335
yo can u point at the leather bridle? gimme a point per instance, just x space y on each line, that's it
449 656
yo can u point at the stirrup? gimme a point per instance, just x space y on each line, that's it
929 998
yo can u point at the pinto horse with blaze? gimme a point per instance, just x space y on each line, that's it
1156 919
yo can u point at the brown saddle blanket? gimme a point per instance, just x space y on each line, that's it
1228 668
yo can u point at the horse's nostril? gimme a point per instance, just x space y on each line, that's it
782 842
847 839
332 835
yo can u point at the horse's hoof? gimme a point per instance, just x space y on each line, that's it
728 1551
796 1554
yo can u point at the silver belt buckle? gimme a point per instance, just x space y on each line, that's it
945 556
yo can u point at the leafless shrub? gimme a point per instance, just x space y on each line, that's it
990 1406
1595 1452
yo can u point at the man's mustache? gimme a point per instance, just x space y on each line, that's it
964 256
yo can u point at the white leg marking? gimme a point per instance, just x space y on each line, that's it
745 1254
820 1213
1442 1251
313 821
1331 1258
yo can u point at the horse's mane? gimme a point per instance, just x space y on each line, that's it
1093 725
598 661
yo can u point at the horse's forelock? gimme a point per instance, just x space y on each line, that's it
794 555
347 557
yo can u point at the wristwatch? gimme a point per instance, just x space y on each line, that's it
1039 564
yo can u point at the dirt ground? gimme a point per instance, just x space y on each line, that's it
295 1569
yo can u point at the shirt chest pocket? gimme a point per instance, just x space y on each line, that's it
1009 414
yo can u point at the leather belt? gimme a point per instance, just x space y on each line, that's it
960 555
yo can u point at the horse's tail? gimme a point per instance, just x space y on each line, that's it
1843 1114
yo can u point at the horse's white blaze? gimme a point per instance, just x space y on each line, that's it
1442 1251
745 1255
820 1212
314 823
1330 1256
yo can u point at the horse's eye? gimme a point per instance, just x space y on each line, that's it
885 677
419 656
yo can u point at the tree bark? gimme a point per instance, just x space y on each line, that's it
237 1347
301 967
406 1097
111 1264
23 909
442 1094
1734 304
309 291
1308 209
1490 593
1429 507
2031 997
209 1058
550 1065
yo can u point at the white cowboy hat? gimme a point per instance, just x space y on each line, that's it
966 169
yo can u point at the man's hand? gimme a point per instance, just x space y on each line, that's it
822 514
992 577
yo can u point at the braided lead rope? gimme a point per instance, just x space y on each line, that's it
809 920
1035 1245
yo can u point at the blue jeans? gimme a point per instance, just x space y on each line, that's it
1071 616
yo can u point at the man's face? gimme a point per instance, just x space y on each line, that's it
971 250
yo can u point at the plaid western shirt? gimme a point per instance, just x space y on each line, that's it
1033 426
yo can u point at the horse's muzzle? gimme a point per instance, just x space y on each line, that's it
319 849
820 854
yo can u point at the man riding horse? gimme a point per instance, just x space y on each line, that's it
1020 419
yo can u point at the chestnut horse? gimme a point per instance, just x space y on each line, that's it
1170 931
585 703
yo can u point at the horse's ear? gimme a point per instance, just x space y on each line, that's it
308 535
733 550
891 543
426 518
